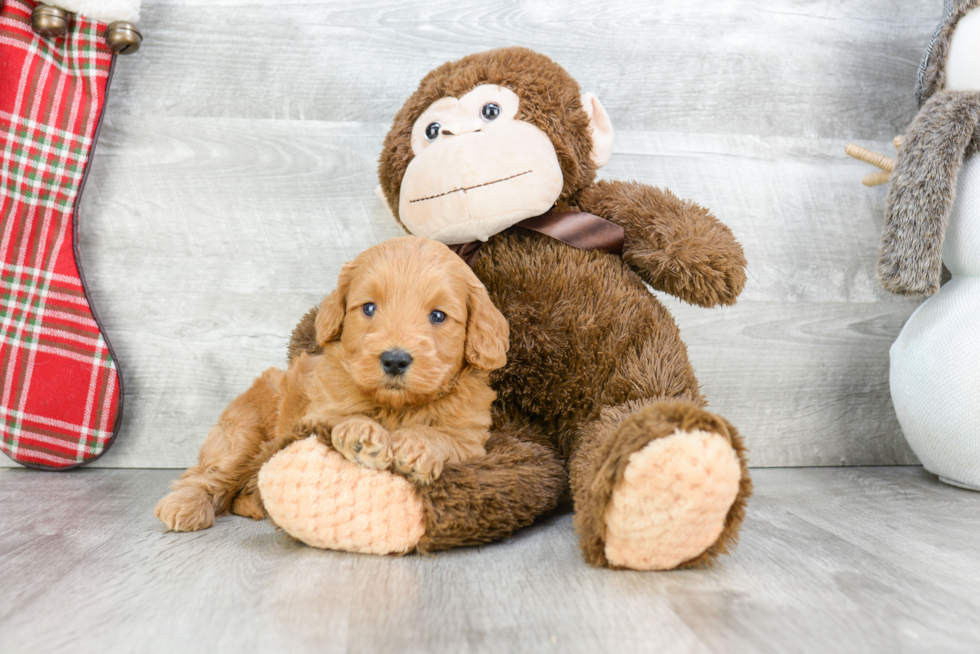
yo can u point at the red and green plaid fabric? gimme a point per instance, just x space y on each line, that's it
59 385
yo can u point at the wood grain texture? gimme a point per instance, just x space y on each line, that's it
236 167
771 67
831 560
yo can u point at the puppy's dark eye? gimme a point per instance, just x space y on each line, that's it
490 111
432 131
369 308
437 316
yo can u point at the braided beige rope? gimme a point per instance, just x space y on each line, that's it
886 164
874 179
873 158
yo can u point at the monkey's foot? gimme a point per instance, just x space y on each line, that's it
658 484
319 497
672 501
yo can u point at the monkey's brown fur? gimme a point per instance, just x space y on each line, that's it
923 185
596 367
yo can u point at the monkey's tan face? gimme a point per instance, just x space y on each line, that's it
963 60
477 169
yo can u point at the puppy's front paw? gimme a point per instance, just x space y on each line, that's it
186 509
414 457
363 441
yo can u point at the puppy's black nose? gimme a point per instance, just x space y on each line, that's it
396 362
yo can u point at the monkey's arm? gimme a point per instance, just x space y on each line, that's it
491 496
303 338
923 188
675 245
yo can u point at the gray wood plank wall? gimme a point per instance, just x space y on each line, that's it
236 168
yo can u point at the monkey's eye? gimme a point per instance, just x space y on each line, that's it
490 111
432 131
437 316
369 308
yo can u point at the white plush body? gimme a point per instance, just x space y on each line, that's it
935 362
104 11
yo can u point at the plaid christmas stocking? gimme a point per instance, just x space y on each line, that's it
59 382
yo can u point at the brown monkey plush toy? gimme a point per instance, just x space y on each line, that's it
597 401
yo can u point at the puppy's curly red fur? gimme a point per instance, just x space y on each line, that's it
407 295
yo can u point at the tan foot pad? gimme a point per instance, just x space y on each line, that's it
324 500
671 503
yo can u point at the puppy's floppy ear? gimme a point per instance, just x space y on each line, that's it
330 317
487 331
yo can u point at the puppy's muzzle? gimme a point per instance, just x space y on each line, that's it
396 362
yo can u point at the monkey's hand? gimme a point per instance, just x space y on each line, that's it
675 245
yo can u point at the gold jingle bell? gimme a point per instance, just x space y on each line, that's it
123 37
49 21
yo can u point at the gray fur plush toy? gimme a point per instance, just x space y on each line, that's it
924 182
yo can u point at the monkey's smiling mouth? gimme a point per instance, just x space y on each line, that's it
468 188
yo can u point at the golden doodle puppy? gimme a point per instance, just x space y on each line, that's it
408 340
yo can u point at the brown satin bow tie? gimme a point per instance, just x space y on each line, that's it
581 230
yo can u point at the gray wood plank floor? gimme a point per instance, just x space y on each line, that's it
236 167
831 560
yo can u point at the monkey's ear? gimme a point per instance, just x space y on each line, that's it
384 200
330 318
602 130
